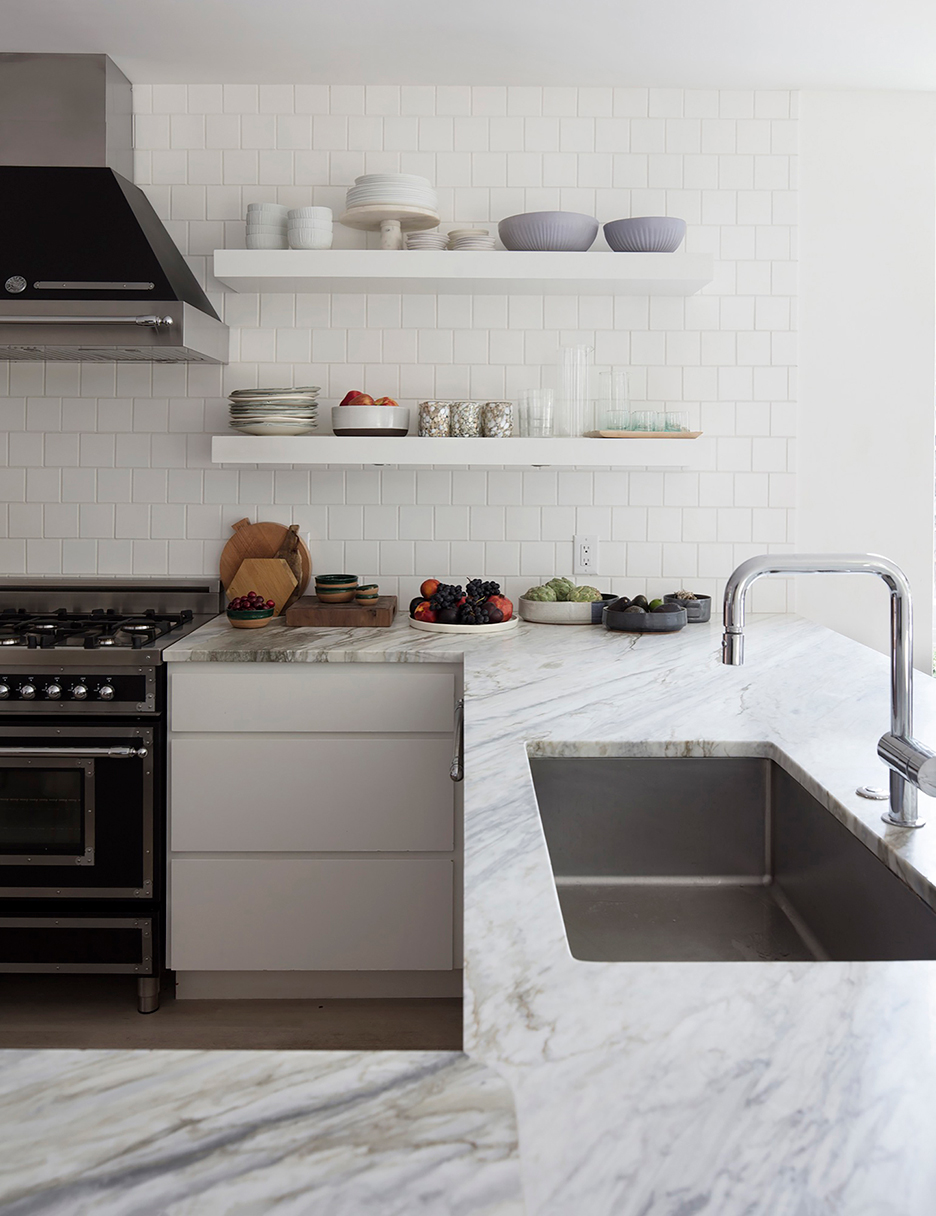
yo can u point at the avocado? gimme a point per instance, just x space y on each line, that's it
640 601
636 608
667 608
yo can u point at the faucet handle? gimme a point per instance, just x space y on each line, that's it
910 759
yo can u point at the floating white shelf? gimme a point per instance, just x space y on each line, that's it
451 272
411 450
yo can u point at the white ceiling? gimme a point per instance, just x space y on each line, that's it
885 44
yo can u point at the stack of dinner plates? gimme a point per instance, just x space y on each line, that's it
275 411
393 190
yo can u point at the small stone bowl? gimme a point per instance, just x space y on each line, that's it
250 618
698 610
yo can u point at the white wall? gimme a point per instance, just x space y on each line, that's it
108 467
867 319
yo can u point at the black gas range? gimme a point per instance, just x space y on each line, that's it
82 770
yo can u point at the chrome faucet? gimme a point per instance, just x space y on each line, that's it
912 765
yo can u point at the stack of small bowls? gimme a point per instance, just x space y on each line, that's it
367 594
310 228
336 588
433 239
266 226
470 238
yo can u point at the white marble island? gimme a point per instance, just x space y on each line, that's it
670 1089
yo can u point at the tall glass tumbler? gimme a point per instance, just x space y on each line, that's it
572 416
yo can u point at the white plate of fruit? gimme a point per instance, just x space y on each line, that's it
478 607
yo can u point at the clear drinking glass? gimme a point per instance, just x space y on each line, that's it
643 420
572 416
613 400
676 420
536 414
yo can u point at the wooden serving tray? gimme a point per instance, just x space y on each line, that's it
310 613
643 434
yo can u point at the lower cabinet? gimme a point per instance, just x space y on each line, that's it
318 914
313 824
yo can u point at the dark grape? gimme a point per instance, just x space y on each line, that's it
447 596
477 589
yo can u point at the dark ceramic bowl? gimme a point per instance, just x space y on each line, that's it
698 610
644 622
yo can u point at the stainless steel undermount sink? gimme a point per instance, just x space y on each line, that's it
698 859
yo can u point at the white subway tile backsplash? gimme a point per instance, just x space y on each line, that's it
107 467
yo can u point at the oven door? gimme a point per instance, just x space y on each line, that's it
76 811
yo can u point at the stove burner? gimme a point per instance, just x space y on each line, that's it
102 627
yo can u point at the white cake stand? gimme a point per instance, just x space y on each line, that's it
391 222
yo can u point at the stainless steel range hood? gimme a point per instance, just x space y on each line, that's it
87 270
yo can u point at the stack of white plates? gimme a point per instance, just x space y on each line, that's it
266 226
275 411
393 190
310 228
470 238
426 240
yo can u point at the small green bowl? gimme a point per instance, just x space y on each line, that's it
250 618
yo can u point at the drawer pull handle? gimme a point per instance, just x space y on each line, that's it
114 753
457 771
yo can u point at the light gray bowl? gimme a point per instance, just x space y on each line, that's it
541 231
645 234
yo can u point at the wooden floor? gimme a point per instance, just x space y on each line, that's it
101 1012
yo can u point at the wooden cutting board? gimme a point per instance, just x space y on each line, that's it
310 613
270 577
261 540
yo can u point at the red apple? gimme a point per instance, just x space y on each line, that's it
362 399
429 588
349 398
424 612
386 401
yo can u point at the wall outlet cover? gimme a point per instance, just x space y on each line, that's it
585 555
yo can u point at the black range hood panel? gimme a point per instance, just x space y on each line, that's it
86 225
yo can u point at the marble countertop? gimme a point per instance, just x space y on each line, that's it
219 1133
674 1089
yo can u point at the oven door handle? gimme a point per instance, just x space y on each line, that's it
77 753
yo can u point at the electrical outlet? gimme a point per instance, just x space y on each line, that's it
584 554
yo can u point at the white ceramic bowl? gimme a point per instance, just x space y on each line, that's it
370 419
255 241
327 225
322 215
558 612
265 229
310 238
271 210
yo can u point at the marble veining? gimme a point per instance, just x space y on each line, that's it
245 1133
676 1089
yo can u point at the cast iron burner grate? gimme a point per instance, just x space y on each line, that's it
92 630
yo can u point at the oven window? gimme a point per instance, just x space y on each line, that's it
41 810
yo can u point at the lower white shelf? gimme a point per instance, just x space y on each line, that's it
411 450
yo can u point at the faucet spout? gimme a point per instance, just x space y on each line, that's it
912 765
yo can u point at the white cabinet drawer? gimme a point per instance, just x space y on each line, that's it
306 793
306 914
309 697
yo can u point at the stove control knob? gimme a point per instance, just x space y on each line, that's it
78 692
27 692
53 691
4 692
106 692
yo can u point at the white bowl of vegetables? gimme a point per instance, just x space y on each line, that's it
561 602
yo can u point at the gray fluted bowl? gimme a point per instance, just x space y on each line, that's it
645 234
564 231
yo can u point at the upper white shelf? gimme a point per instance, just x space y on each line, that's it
412 450
466 272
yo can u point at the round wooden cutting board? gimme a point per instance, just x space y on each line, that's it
259 540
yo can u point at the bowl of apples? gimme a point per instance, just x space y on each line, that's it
250 611
478 608
360 414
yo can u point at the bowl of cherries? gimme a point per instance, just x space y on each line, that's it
250 611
